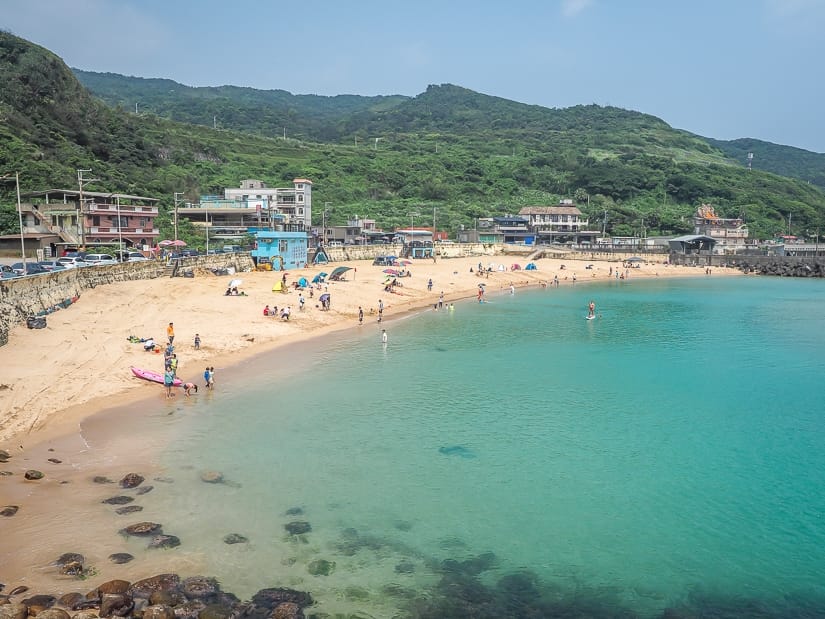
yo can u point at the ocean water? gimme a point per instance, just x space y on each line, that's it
512 458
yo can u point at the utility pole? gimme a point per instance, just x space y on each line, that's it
177 201
375 147
82 213
434 229
324 224
214 122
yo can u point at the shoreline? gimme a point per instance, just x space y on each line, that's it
92 436
52 415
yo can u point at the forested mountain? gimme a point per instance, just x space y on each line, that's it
449 152
783 160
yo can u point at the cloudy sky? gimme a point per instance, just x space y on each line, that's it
719 68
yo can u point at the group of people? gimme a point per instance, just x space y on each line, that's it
284 313
170 364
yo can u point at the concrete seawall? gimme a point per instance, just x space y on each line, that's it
29 296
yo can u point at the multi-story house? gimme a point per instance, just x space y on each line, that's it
730 232
252 207
93 217
563 223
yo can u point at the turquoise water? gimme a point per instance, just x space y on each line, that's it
670 452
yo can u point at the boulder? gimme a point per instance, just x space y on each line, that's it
9 510
158 611
200 587
114 587
216 611
167 598
100 479
33 475
287 610
38 603
190 609
235 538
270 598
120 557
14 610
162 582
5 456
53 613
116 605
144 490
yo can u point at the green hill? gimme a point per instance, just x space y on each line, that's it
784 160
450 151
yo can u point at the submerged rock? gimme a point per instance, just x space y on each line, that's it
55 461
53 613
158 611
235 538
270 598
114 587
321 567
33 474
200 587
69 557
212 477
295 511
298 527
116 605
131 480
120 557
142 529
144 490
118 500
129 509
9 510
164 541
100 479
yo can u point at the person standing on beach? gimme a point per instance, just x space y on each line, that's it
383 336
360 315
430 285
512 289
197 341
212 377
170 332
441 300
380 310
206 377
168 381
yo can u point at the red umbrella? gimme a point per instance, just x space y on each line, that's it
165 243
178 243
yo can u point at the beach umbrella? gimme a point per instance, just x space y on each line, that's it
405 262
178 243
235 283
390 271
165 243
635 259
322 274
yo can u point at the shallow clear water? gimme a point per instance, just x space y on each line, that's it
672 446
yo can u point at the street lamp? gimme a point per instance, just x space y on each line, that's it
82 215
19 216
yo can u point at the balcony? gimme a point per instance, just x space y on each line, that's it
125 209
124 230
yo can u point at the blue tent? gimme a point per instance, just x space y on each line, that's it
303 283
531 267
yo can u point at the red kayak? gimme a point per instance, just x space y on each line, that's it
155 377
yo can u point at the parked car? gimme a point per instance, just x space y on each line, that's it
384 261
70 262
129 256
231 249
32 268
100 259
51 265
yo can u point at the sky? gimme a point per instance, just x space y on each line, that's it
723 69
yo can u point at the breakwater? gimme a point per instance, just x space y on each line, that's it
784 267
43 294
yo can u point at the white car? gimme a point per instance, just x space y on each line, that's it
99 259
71 262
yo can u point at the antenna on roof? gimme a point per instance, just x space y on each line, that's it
750 160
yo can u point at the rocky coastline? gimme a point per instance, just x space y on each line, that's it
785 267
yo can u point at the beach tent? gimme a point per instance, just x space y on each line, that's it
320 257
338 272
531 266
318 279
303 283
278 287
515 267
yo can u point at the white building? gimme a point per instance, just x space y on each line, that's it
293 202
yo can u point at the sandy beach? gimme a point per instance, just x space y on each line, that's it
56 379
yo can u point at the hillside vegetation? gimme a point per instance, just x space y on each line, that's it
450 152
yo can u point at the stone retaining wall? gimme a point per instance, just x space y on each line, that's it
29 296
449 250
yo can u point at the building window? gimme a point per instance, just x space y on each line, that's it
300 211
283 245
95 220
299 186
300 197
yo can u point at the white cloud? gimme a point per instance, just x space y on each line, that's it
571 8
